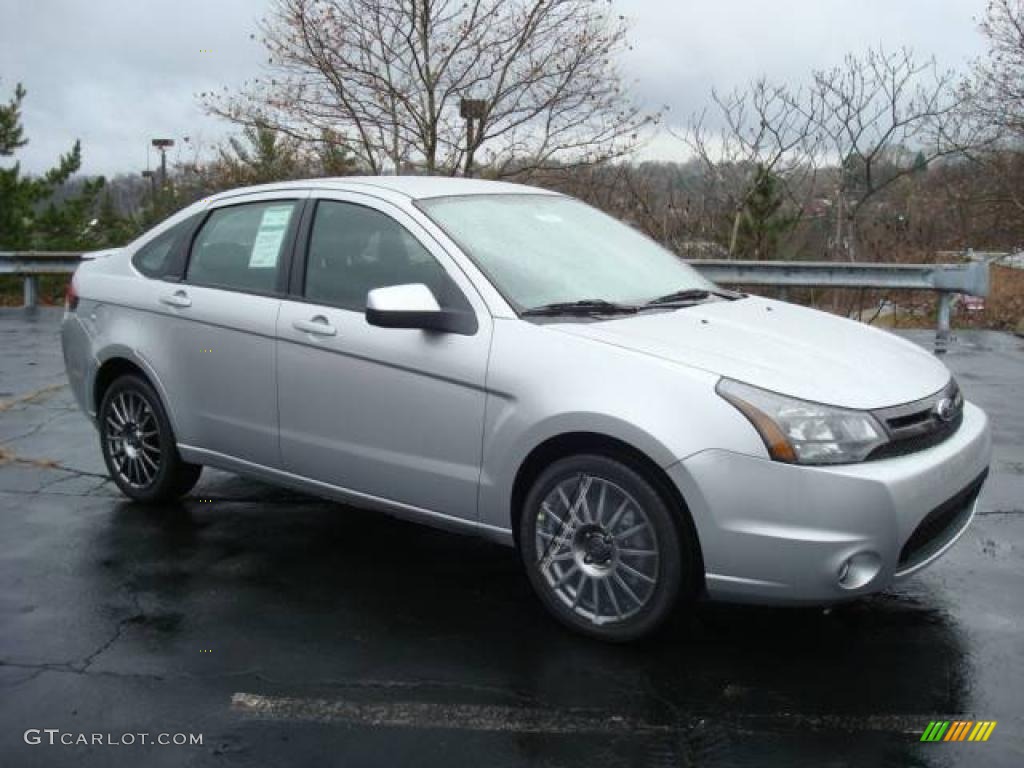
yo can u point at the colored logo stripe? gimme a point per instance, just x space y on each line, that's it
958 730
982 730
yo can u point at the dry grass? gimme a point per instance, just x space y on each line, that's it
41 463
7 456
6 405
1004 306
51 290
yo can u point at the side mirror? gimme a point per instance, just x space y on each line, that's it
414 306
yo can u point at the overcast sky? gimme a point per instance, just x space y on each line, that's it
116 73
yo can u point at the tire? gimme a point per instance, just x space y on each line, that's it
631 547
138 444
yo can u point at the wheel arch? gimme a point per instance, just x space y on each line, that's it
573 443
120 361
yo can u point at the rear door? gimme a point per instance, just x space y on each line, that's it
395 414
220 343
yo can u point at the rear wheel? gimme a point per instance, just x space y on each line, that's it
602 548
138 445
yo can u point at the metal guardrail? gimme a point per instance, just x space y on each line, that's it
947 279
1014 259
971 278
31 264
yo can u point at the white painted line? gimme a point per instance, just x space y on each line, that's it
537 720
416 714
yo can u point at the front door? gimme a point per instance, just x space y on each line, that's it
396 414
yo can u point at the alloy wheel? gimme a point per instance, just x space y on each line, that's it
133 439
597 549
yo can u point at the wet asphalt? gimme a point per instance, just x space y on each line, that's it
292 631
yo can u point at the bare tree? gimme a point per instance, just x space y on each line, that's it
997 89
759 129
994 105
390 74
664 200
873 112
877 117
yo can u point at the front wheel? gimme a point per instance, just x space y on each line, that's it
138 445
603 550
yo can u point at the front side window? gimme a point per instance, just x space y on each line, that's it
242 247
544 249
354 249
162 256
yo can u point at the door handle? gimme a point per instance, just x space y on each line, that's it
318 326
176 299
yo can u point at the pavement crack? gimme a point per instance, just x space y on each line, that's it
136 615
86 662
81 472
8 456
37 428
70 668
103 481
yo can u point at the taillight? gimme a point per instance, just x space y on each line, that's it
71 296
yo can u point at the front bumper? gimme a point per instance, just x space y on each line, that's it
783 533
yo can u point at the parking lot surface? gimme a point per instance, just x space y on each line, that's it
292 631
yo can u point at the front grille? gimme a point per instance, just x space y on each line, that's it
938 433
922 424
940 525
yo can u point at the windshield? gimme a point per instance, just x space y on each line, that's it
546 249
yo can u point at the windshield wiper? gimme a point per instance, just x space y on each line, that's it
582 307
692 296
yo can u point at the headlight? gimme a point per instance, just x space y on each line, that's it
801 432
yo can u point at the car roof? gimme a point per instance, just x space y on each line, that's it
412 187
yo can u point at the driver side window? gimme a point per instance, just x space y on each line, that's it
354 249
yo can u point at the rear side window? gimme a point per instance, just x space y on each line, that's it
163 255
242 247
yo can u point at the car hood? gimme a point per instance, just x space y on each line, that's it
783 347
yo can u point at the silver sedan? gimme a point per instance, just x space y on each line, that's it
509 362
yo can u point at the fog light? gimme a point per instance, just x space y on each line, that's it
858 570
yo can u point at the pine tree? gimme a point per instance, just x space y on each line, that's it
11 137
260 155
30 217
334 157
763 221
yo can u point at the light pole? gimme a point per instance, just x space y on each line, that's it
163 145
470 110
152 182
